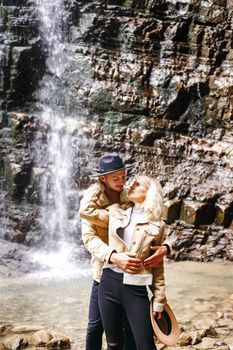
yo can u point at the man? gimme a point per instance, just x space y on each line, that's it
107 191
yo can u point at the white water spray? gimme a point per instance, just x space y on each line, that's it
56 148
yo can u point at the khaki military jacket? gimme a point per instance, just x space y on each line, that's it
95 226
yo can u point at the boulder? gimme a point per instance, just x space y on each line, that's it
41 338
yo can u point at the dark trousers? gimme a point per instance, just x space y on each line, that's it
95 326
115 297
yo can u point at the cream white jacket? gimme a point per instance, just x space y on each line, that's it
145 234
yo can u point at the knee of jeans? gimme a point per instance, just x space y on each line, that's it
95 329
95 324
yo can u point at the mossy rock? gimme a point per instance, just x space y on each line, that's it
104 101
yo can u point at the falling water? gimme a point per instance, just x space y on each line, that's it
3 209
58 140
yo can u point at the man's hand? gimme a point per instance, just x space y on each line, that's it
153 260
126 261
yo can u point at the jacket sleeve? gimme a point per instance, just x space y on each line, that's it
92 209
166 240
158 285
94 243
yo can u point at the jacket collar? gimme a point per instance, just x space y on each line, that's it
127 212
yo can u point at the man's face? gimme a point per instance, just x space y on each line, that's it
114 181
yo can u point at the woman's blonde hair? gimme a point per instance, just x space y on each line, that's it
153 205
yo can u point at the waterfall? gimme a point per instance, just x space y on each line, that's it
58 141
3 209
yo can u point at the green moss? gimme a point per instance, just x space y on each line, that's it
3 12
128 3
104 101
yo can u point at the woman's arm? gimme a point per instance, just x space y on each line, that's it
158 287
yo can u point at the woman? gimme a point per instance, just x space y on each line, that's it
134 228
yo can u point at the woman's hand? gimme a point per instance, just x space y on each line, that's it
157 314
126 261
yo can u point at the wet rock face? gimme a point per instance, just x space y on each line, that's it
163 101
153 81
22 60
163 59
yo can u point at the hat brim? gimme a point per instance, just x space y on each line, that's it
112 171
166 329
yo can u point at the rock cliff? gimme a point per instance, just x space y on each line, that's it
152 80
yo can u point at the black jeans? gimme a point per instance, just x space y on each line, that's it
114 296
95 326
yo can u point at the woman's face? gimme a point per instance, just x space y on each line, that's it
137 192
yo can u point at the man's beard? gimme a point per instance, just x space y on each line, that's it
112 189
115 191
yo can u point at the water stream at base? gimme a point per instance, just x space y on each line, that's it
61 303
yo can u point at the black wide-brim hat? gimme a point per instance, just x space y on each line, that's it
110 164
166 328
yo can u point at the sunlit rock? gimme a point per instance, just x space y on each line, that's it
19 337
26 329
5 329
59 342
227 322
196 337
41 338
15 342
211 332
185 339
206 343
205 324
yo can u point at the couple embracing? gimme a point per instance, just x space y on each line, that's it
126 237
